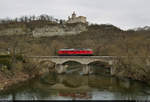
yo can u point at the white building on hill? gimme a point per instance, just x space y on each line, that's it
75 19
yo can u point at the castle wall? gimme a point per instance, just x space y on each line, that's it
77 20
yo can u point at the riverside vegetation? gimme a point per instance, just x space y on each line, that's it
104 39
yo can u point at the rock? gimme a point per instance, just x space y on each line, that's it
58 30
5 82
1 87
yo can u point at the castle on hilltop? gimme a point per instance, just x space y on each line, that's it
75 19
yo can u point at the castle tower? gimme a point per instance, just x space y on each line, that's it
68 17
73 15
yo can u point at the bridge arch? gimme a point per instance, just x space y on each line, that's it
100 67
72 65
72 61
98 62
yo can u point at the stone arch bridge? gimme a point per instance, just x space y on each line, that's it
84 60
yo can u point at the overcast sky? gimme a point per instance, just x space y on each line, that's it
121 13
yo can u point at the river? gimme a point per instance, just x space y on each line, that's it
73 86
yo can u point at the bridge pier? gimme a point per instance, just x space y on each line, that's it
87 69
61 68
112 70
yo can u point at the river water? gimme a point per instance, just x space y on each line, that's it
77 87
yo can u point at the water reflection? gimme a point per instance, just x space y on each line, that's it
76 95
77 87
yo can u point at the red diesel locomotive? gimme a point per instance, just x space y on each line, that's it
75 52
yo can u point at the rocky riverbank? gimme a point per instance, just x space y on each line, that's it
135 68
22 72
6 81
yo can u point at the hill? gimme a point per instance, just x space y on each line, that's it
105 40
